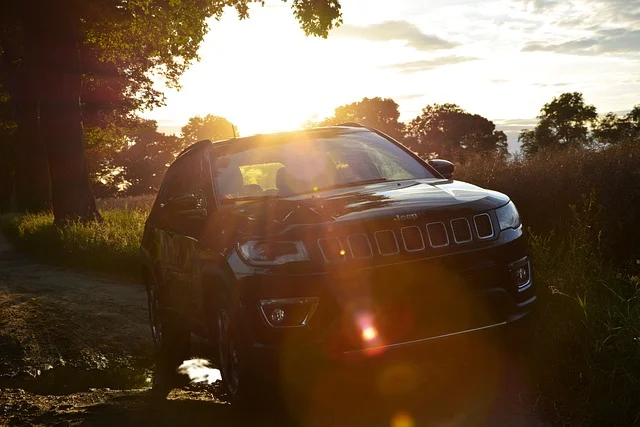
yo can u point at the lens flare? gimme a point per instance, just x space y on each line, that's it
402 419
369 333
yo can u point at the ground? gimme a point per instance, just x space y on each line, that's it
76 350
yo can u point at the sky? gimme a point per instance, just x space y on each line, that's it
503 59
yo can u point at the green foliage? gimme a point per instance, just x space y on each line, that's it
379 113
453 133
208 127
545 186
109 246
585 347
614 129
563 123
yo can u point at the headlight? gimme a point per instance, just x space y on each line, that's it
273 253
508 216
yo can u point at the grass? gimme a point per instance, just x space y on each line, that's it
582 209
110 246
586 345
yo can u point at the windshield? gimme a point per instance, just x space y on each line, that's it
308 163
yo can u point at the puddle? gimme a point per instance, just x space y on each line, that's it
66 380
200 371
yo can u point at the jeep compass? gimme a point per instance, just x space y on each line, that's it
324 247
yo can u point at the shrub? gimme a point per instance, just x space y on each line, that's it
109 246
586 344
546 185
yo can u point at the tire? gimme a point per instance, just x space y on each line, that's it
171 342
243 387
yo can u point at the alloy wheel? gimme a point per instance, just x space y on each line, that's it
228 354
154 316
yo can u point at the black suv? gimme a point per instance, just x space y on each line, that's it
324 246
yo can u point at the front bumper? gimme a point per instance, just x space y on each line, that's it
414 309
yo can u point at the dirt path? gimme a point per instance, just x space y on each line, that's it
76 350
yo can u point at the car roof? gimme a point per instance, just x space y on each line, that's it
324 130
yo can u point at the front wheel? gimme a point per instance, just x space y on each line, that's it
171 343
242 384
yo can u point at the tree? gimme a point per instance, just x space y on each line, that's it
147 158
451 132
30 184
141 37
563 122
208 127
379 113
7 152
614 129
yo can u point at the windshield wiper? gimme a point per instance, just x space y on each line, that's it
250 198
349 184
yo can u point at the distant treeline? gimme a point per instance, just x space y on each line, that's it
130 158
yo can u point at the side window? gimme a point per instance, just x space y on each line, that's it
184 177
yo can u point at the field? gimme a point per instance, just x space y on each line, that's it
581 209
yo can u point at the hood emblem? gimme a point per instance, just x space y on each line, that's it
405 217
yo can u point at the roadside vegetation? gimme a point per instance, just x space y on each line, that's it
581 208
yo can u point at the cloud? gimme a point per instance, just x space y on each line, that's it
410 96
583 13
513 125
552 84
429 64
606 41
395 30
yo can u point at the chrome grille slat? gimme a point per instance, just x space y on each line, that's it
351 245
395 240
456 233
483 217
403 233
338 255
431 234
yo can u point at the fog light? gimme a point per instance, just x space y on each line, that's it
288 312
521 273
277 316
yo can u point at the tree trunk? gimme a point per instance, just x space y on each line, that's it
25 175
59 81
32 185
6 177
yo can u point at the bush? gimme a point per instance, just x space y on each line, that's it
587 337
545 186
109 246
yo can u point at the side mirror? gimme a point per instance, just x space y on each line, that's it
444 167
188 204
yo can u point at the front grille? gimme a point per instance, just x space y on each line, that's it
461 230
359 246
412 239
484 228
386 242
332 250
437 235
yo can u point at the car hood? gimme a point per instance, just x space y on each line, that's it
370 202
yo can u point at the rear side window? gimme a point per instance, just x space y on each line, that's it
186 176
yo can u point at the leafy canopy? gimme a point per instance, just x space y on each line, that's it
208 127
450 131
379 113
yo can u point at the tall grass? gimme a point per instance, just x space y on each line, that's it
545 186
586 346
110 246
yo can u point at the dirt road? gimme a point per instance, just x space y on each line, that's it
76 350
